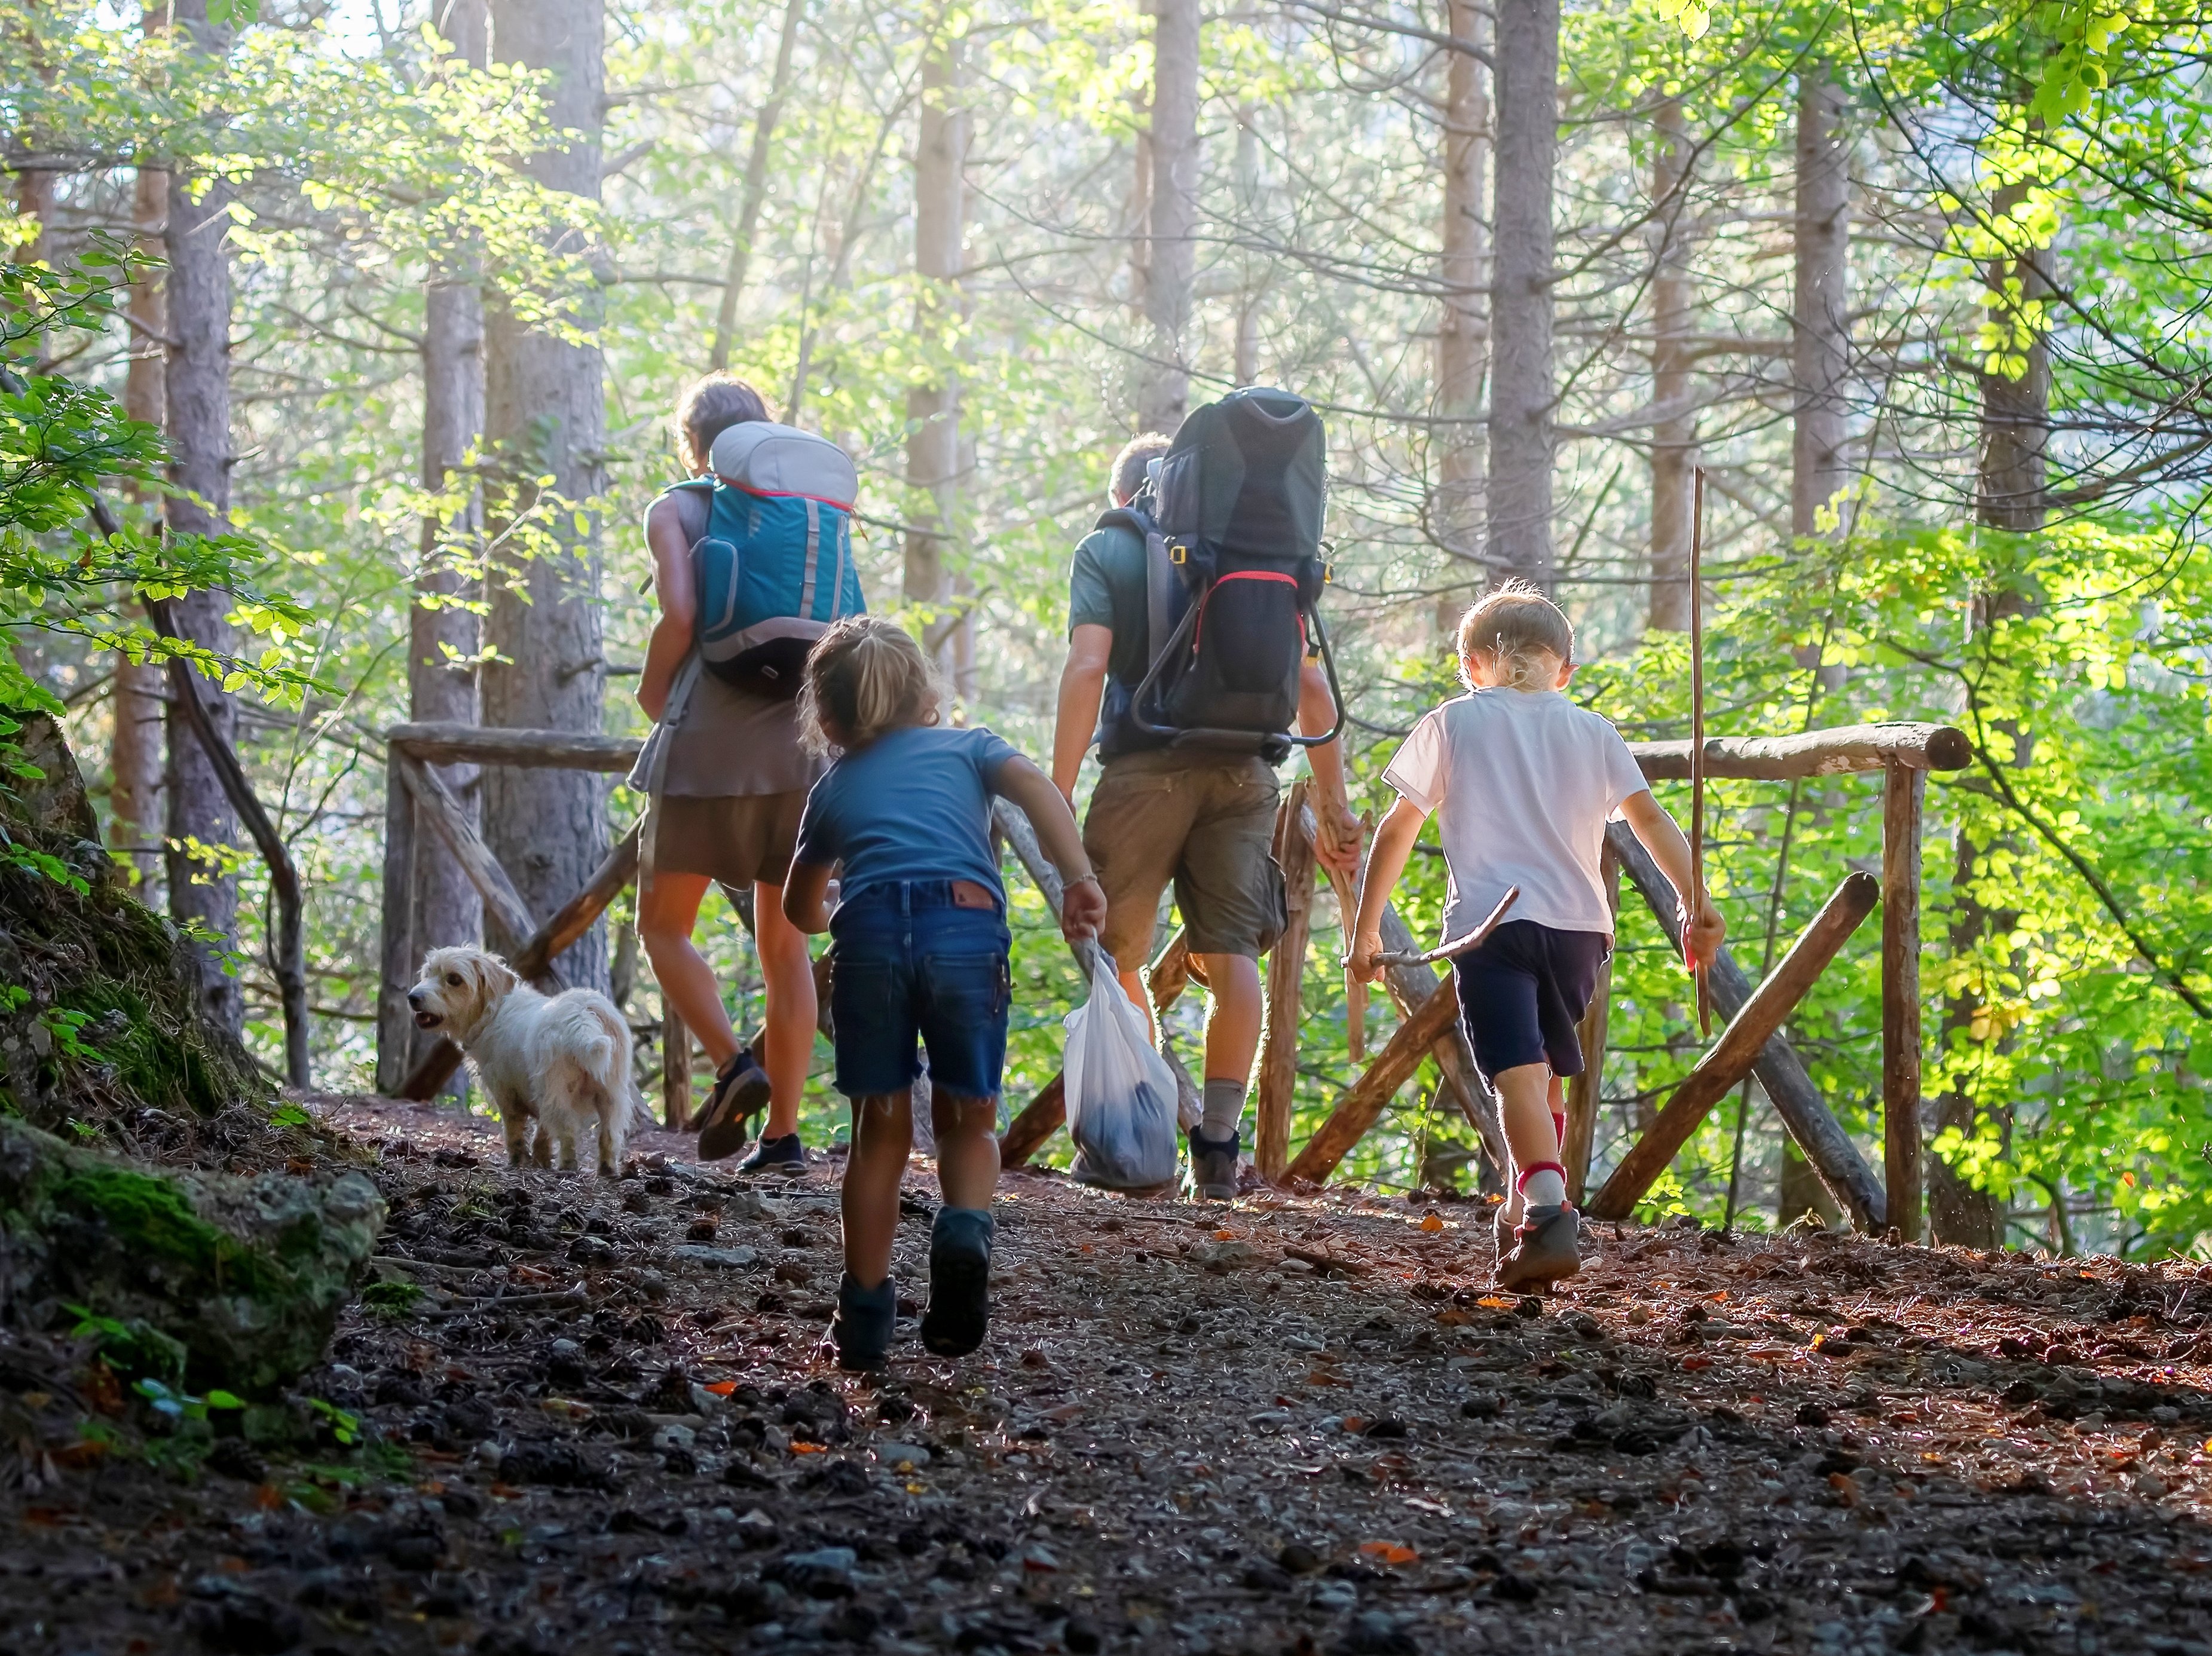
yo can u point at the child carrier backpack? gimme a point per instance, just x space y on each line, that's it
1232 518
775 567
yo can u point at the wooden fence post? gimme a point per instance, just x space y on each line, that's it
675 1069
1585 1090
395 1024
1904 787
1278 1042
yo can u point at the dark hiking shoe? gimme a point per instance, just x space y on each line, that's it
862 1326
784 1156
1545 1249
959 1312
740 1092
1213 1168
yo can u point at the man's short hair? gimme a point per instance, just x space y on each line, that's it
1128 475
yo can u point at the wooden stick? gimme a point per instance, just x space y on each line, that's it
1732 1057
1346 887
1900 996
1364 1100
1279 1039
1698 748
1779 1069
1472 940
395 1019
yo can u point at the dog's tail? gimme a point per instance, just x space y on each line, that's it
611 1061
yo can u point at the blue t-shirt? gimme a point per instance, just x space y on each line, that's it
913 804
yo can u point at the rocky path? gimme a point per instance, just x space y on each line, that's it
579 1418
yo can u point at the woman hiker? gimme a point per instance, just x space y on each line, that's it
734 781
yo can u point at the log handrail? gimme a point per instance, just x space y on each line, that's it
1835 752
446 743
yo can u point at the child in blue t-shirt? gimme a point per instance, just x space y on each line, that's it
921 953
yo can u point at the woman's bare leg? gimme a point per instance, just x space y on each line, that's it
667 910
787 969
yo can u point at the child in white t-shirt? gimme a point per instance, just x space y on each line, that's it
1522 782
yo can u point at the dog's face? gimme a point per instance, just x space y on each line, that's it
459 988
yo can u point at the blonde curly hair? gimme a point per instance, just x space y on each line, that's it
1523 635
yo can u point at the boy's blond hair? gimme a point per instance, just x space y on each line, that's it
866 676
1525 636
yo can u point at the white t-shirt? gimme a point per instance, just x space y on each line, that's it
1523 784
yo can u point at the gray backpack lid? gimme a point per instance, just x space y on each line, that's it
772 460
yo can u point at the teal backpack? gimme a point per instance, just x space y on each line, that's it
774 569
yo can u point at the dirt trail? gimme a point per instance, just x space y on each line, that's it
610 1423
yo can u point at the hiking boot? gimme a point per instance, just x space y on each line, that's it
862 1326
959 1281
1212 1168
1544 1249
740 1092
785 1155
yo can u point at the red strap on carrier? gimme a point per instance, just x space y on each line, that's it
1198 632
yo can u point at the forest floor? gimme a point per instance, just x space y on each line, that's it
610 1423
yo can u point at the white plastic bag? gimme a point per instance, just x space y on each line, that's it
1121 1093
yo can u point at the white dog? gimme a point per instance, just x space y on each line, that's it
557 1068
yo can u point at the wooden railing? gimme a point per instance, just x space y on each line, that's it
1751 1044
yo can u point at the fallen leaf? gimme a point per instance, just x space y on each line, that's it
721 1388
1431 1222
1388 1552
1491 1303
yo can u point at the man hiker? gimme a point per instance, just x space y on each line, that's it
1204 820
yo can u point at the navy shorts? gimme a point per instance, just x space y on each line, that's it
912 965
1524 991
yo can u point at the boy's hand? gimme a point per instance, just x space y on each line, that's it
1703 935
1082 909
1362 961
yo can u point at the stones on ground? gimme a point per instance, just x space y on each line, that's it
721 1258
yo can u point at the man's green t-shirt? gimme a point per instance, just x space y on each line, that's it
1106 588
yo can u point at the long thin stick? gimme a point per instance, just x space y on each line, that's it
1696 893
1474 939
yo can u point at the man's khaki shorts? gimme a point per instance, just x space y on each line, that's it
1206 824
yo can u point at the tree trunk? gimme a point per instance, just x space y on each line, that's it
545 416
2013 482
1463 330
198 399
1675 438
932 410
1252 282
1520 496
1820 312
1171 249
134 753
755 192
441 635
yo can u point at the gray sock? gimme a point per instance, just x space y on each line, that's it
1224 1108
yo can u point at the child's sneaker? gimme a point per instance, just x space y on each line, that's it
862 1327
1545 1249
959 1313
741 1091
1213 1168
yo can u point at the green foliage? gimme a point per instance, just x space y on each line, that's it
392 1301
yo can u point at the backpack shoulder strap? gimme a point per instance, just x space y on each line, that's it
695 505
1162 586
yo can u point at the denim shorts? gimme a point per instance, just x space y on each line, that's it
1523 993
911 965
